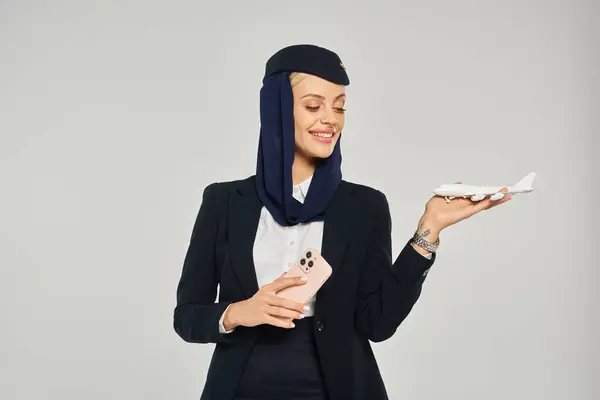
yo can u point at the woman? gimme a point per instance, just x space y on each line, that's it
248 232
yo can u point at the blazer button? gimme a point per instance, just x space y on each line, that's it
320 326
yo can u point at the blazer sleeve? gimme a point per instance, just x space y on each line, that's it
196 315
387 292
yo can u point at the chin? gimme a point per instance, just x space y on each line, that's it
323 154
322 151
318 149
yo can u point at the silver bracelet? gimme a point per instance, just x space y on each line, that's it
420 241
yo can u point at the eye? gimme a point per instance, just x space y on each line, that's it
316 108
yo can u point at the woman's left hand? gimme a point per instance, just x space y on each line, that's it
442 214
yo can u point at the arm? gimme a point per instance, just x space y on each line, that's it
196 315
387 292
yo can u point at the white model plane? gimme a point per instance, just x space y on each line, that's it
477 193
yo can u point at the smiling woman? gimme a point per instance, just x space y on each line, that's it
250 231
318 120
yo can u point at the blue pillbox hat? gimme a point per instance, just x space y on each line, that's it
308 58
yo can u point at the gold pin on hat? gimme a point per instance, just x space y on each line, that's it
342 65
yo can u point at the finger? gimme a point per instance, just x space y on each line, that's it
489 203
280 277
278 322
485 204
282 283
284 319
503 200
267 286
284 312
286 303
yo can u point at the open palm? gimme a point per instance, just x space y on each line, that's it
458 209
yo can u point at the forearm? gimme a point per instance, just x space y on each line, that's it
394 292
388 291
198 323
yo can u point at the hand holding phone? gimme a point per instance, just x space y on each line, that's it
316 270
266 307
280 302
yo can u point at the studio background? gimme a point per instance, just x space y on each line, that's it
115 115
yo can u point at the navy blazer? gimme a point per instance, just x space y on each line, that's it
365 299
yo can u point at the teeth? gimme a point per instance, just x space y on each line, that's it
323 135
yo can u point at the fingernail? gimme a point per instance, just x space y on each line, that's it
307 308
292 324
301 316
303 278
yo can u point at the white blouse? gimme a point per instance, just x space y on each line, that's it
277 247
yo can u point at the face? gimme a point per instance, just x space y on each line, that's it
318 116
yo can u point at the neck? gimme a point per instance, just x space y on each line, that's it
302 168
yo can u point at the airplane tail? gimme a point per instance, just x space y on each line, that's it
525 183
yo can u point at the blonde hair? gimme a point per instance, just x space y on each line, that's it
297 77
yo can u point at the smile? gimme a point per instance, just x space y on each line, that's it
323 137
321 134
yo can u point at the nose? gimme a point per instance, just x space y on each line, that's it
328 118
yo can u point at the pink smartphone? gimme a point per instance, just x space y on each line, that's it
317 271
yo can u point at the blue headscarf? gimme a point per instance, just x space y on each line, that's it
276 156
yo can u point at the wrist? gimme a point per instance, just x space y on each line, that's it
428 223
420 250
426 237
229 319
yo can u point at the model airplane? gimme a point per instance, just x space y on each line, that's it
477 193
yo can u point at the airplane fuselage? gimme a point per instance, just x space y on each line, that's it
465 190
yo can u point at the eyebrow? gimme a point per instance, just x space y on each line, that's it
322 97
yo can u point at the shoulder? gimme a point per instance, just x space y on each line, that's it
366 193
216 195
219 189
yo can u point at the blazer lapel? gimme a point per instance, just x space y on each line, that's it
243 223
336 229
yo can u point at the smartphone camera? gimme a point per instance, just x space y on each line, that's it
310 264
302 262
308 255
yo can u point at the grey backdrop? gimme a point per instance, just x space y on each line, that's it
115 115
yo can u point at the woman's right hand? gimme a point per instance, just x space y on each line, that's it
265 307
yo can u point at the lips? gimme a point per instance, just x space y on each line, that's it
324 136
330 130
